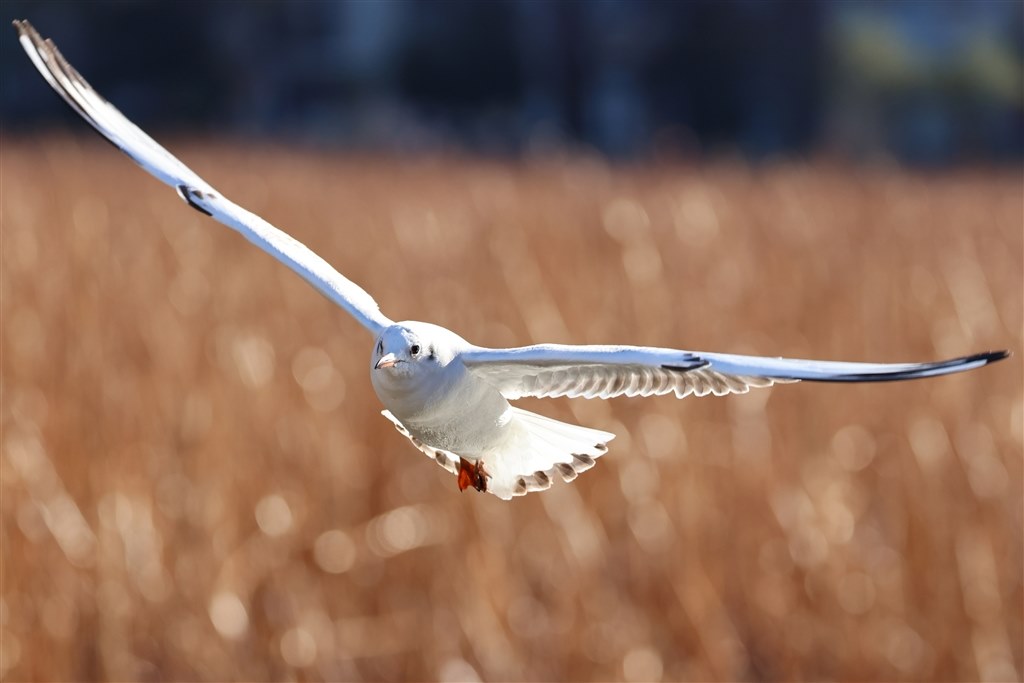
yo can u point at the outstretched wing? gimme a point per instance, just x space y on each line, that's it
606 371
157 161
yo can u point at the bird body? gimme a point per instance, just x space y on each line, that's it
430 391
449 397
418 373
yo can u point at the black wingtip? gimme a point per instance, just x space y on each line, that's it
922 370
990 356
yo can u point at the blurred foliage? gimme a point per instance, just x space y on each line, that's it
197 485
931 83
883 56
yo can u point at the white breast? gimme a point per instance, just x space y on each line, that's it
446 407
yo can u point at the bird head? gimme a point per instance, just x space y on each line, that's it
405 348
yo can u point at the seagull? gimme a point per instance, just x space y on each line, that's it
448 396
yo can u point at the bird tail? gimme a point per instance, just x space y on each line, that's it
539 449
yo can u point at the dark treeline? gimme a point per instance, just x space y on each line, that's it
927 83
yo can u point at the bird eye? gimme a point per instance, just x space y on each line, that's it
415 349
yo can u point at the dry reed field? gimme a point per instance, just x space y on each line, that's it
197 483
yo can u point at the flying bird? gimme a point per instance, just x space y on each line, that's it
451 397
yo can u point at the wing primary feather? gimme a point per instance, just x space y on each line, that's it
608 371
917 371
117 129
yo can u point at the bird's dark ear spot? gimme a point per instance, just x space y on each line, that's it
432 355
380 346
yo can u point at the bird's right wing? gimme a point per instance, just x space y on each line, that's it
157 161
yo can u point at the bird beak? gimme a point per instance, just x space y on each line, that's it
386 361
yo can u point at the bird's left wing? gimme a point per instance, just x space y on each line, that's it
157 161
549 370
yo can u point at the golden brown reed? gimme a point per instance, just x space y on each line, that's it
196 483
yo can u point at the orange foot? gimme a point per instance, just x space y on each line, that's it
472 474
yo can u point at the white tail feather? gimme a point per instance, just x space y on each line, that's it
539 449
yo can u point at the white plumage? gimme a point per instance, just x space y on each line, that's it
449 397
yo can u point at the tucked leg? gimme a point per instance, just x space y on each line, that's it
472 474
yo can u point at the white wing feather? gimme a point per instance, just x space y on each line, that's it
160 163
446 459
607 371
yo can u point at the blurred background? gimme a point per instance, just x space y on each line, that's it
922 82
196 483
